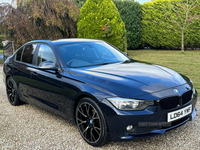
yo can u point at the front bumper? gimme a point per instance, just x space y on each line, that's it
161 131
118 121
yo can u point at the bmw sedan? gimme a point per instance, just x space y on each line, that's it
104 92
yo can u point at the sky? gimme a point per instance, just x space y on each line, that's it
142 1
5 1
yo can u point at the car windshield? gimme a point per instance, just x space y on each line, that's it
90 54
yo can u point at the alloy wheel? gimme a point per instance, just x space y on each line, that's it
88 122
11 91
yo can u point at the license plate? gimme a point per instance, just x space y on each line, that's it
179 113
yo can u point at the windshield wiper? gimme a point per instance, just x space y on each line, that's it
129 60
105 63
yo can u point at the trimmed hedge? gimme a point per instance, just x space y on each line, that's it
100 19
79 3
131 13
1 39
158 35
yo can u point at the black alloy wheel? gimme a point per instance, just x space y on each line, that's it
12 92
91 122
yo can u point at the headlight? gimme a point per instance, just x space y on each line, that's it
129 104
191 81
193 89
194 92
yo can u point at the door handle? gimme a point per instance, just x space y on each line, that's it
15 67
34 73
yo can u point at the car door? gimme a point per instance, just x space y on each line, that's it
47 90
21 70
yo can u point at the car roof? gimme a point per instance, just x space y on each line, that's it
62 41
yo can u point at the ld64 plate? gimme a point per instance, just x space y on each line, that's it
179 113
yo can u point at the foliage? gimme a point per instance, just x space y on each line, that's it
131 13
1 39
100 19
79 3
164 23
39 19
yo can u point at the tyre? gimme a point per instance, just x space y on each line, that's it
91 122
11 90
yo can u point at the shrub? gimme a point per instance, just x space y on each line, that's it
1 44
131 13
100 19
159 32
154 33
79 3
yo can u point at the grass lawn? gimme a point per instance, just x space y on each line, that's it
187 63
1 51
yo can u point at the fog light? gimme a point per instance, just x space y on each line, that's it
130 127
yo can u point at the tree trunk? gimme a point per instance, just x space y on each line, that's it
182 41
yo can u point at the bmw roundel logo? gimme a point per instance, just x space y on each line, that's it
176 91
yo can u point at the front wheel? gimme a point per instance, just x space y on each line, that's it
91 122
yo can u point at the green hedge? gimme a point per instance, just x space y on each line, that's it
100 19
158 35
1 39
131 13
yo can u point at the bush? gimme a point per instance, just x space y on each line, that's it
131 13
79 3
154 33
1 39
159 32
100 19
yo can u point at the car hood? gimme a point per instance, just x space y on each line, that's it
129 79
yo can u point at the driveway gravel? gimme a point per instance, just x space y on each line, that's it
27 127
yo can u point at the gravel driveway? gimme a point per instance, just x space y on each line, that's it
27 127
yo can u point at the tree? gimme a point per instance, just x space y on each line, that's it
181 15
100 19
39 19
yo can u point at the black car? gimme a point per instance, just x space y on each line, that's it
100 88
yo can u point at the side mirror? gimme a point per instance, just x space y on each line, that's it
48 65
125 53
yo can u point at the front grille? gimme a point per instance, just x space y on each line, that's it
169 103
173 102
186 97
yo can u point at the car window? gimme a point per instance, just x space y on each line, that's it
45 53
90 53
28 53
18 54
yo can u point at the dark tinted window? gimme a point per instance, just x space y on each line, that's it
45 53
28 53
19 53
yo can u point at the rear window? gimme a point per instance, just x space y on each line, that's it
28 53
19 53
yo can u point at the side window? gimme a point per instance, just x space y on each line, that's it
28 53
45 53
18 54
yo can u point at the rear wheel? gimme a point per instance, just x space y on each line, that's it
91 122
11 90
